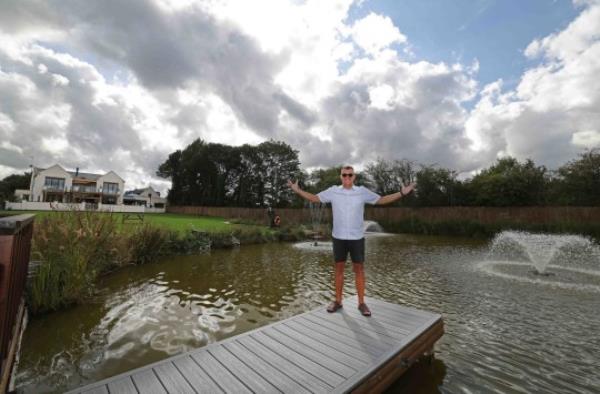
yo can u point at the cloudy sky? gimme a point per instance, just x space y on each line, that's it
118 85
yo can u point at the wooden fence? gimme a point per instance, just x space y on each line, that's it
484 215
15 248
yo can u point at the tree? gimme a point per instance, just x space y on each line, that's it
510 183
279 164
323 178
437 187
220 175
578 181
11 183
390 176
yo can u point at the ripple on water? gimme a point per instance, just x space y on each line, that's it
501 335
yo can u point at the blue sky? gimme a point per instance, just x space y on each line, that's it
493 32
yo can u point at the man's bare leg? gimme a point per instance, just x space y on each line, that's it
339 286
339 280
359 275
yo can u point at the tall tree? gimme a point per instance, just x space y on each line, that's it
510 183
11 183
279 163
220 175
389 176
578 181
437 187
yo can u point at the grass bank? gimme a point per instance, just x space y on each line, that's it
70 250
178 222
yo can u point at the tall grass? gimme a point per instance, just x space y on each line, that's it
74 248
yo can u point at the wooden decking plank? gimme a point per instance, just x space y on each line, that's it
313 352
245 374
314 355
400 324
217 372
370 338
423 331
172 379
123 385
403 321
356 363
196 375
147 382
361 324
404 310
295 372
343 335
339 342
307 364
97 390
281 381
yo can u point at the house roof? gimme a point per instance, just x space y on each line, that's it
85 176
133 197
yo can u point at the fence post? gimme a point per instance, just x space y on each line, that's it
15 247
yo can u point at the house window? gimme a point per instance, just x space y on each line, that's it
54 183
110 188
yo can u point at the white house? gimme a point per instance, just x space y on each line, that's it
55 184
55 188
147 197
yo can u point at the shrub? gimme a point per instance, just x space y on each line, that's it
73 248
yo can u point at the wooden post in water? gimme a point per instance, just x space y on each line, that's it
15 248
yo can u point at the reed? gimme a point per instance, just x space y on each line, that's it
73 248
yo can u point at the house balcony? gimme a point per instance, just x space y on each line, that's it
84 189
53 189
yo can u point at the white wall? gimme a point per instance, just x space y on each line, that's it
47 206
113 178
42 206
55 171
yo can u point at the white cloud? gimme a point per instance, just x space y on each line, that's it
142 79
374 33
586 139
553 111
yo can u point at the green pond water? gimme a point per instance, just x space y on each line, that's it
506 329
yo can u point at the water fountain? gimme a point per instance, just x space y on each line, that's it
316 232
566 261
372 227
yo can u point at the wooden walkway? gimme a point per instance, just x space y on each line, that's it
314 352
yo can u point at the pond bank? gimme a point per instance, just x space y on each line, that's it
71 250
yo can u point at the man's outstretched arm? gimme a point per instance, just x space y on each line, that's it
396 196
306 195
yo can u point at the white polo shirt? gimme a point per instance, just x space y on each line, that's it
348 207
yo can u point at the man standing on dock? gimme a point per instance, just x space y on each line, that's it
348 205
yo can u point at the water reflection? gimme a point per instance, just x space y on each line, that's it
501 335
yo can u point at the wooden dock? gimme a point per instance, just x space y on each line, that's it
314 352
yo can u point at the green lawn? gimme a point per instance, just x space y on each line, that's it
169 220
187 222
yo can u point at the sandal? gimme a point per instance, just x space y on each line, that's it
334 306
364 309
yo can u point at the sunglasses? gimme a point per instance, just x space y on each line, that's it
347 175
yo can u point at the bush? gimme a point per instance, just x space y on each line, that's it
73 248
470 228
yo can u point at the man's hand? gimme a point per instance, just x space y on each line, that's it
294 185
408 188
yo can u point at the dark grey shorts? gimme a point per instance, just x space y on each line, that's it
356 248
